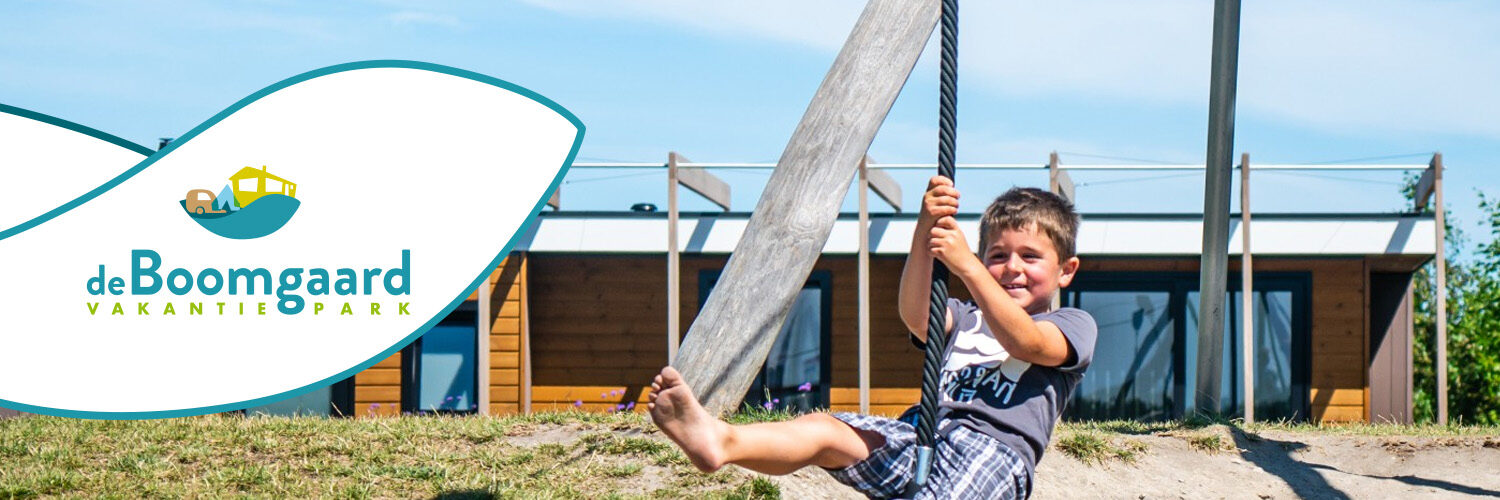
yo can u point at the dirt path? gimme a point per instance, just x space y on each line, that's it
1267 465
1279 464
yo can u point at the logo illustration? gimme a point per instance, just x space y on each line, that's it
127 289
254 203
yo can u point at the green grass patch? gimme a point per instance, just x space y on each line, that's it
594 455
1210 443
756 415
623 470
1092 446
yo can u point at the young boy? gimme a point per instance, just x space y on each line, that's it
1012 361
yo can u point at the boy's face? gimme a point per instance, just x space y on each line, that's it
1026 264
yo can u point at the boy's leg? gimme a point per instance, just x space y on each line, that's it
770 448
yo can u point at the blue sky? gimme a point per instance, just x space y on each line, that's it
728 81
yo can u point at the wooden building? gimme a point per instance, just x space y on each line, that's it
578 317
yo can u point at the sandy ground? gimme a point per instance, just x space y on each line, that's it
1267 465
1279 464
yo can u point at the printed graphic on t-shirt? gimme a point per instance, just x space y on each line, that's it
978 366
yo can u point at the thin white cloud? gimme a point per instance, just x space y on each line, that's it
1343 66
411 17
820 24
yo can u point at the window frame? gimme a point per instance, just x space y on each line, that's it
823 280
411 368
1179 284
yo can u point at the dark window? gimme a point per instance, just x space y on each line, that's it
1145 361
797 373
1134 372
336 400
439 368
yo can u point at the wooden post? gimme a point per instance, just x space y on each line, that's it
729 341
1058 180
1436 166
482 343
1214 267
1059 183
523 281
1247 293
673 266
864 287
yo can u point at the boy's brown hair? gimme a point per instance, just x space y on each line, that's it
1021 208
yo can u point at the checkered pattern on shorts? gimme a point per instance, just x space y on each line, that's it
966 464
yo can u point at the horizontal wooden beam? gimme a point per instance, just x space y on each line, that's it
1425 186
705 184
883 185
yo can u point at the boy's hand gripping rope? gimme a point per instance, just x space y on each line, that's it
937 311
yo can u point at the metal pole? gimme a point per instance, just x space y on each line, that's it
1247 292
1214 269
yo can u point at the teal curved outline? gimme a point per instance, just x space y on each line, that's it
82 129
75 127
339 68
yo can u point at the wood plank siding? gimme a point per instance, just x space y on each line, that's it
508 286
377 390
598 328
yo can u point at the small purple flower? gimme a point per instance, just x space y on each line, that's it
603 395
616 392
450 398
776 400
630 406
374 406
578 404
804 387
768 405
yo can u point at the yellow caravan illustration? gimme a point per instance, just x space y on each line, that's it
250 184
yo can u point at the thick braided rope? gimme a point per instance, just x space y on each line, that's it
938 307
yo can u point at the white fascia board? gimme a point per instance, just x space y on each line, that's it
1143 237
1139 237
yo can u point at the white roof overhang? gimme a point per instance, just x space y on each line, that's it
1112 235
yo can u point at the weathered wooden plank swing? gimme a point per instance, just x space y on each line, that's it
725 347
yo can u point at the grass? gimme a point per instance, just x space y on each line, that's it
1093 446
611 456
1210 443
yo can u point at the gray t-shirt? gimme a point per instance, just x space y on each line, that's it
988 391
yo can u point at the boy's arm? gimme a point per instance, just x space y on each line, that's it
914 294
1036 342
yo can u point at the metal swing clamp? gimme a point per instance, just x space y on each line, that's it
923 468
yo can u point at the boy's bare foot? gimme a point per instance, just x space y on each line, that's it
676 411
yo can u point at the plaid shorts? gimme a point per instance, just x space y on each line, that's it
966 464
